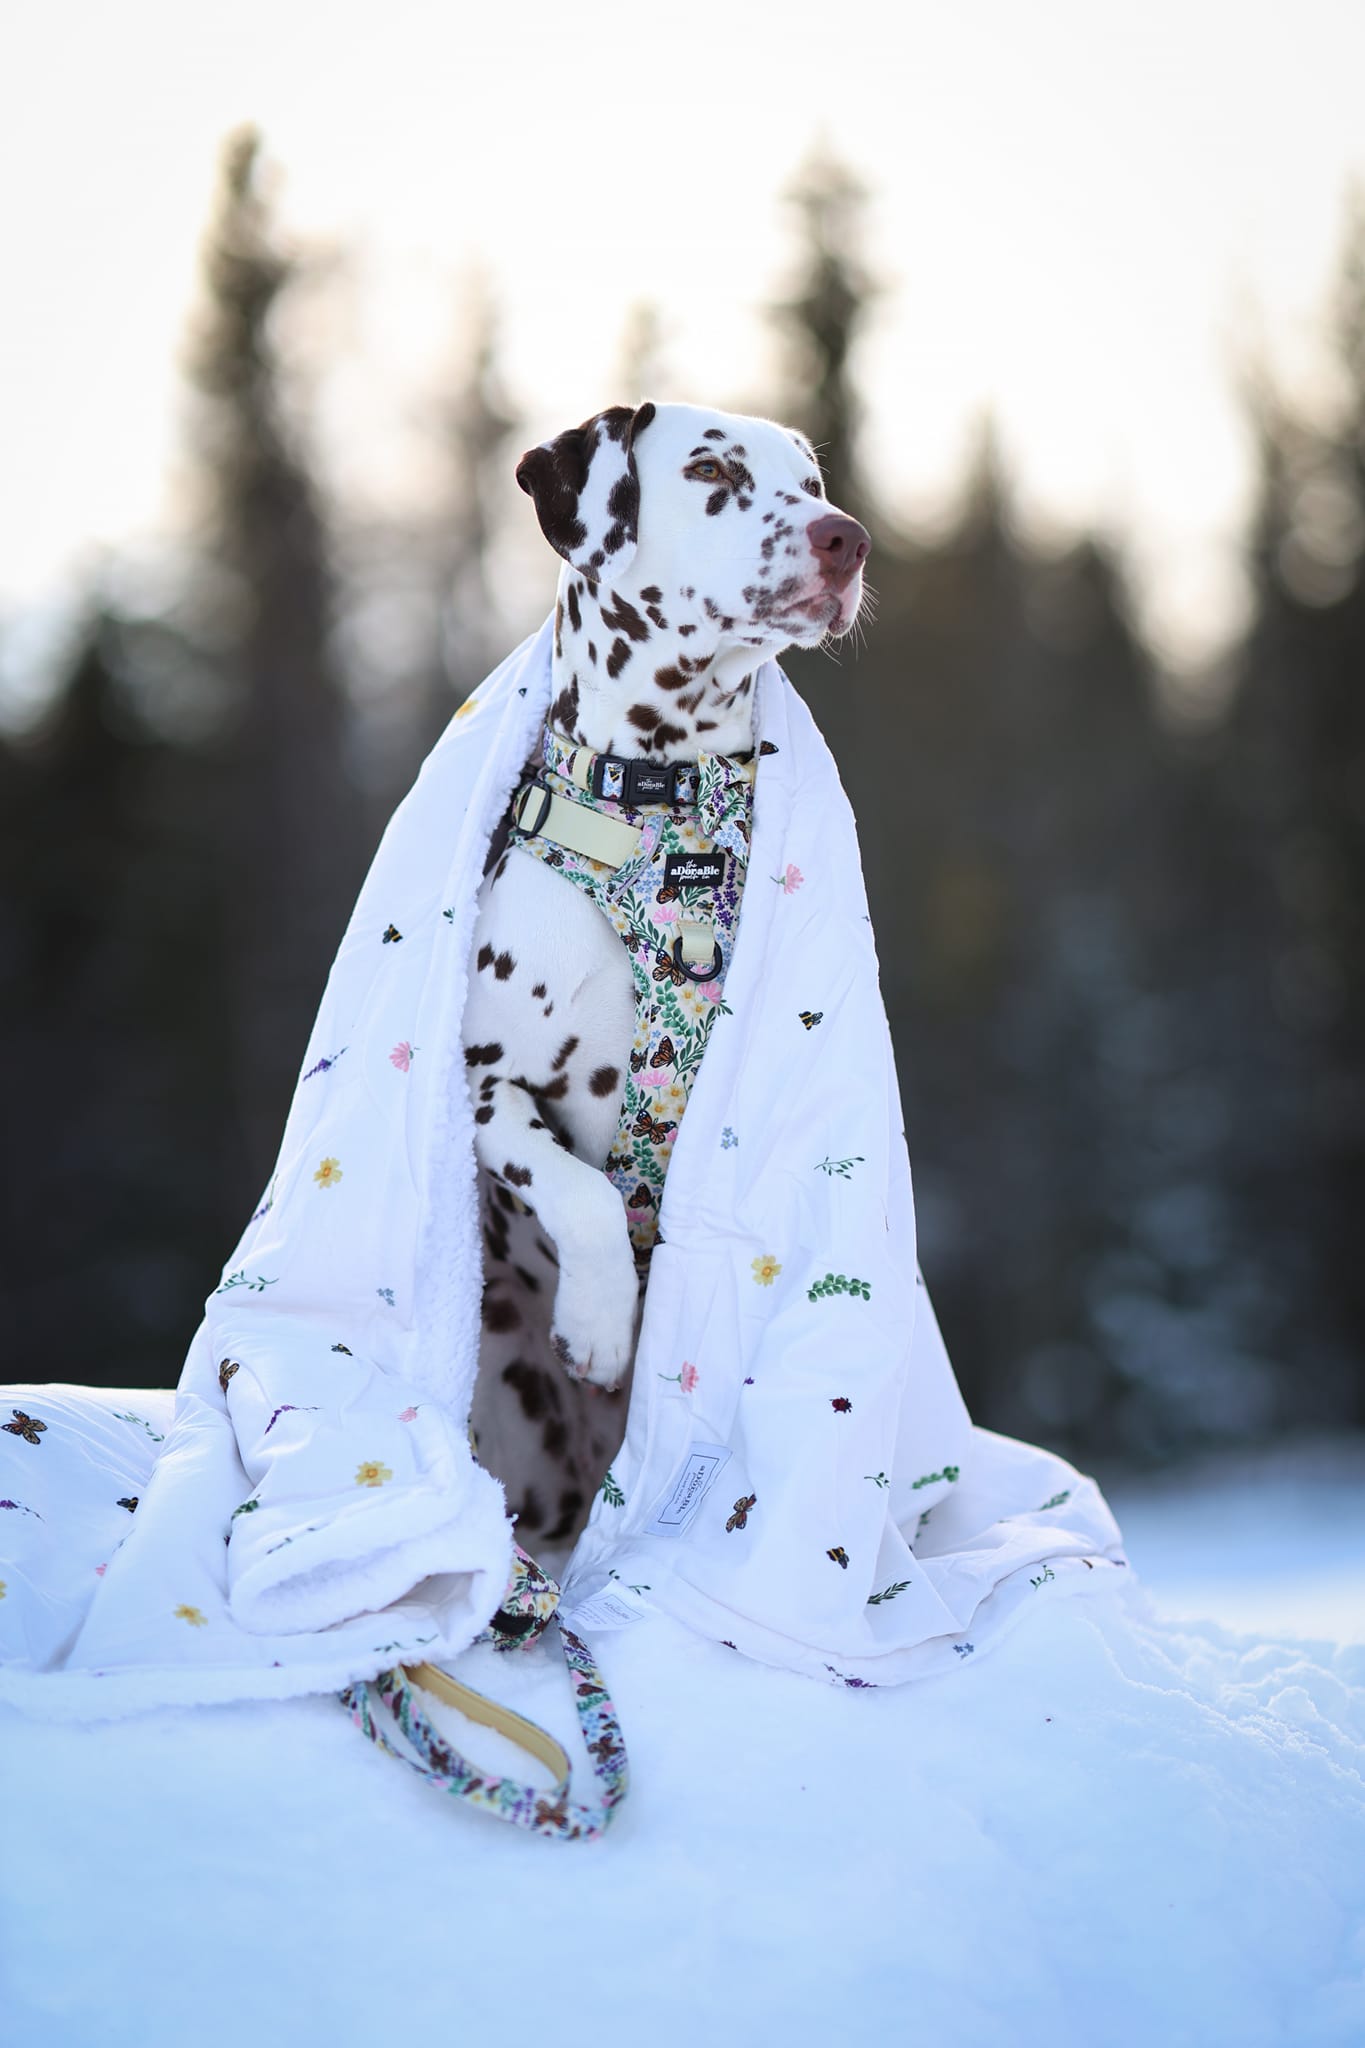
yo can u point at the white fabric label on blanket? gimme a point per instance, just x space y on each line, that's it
705 1463
615 1606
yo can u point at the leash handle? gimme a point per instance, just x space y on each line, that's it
526 1806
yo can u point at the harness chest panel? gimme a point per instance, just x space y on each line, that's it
689 865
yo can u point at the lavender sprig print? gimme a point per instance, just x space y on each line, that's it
288 1408
325 1065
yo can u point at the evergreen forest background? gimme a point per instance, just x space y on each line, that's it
1120 932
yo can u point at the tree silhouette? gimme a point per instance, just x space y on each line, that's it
291 843
821 319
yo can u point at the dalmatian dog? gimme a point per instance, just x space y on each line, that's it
696 545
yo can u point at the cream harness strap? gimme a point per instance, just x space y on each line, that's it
661 848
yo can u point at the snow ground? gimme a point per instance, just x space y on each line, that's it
1119 1828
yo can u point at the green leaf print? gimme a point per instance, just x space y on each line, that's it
611 1492
843 1167
837 1283
888 1592
949 1472
256 1282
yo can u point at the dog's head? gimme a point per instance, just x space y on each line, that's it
713 509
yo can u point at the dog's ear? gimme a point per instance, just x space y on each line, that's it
586 489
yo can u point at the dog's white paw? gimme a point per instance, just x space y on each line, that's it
593 1330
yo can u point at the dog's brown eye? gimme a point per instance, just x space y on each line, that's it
813 485
706 472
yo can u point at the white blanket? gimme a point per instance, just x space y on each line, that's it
799 1477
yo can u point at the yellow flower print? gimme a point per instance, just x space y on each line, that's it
2 1589
328 1174
192 1616
470 705
766 1270
372 1473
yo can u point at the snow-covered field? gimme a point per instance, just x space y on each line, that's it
1120 1828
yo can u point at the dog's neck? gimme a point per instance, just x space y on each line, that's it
652 673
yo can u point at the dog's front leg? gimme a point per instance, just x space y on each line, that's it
579 1209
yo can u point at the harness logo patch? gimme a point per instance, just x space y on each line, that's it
690 870
704 1464
651 785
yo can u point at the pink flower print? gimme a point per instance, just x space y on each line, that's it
401 1056
408 1415
709 990
656 1077
791 879
100 1570
689 1377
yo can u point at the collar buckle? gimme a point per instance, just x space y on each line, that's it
642 782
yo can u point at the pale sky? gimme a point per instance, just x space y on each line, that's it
1084 212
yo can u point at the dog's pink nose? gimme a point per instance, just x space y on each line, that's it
841 547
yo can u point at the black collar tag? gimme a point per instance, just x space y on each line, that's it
694 870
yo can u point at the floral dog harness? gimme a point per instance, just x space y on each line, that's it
674 844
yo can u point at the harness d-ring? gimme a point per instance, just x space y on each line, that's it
546 794
708 973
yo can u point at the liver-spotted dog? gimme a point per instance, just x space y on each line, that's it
696 545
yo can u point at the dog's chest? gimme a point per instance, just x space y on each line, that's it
687 877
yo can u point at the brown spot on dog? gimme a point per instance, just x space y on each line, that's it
604 1080
554 1091
520 1176
535 1388
483 1055
569 1046
664 735
503 966
714 434
620 616
592 654
644 717
570 1503
652 594
670 678
617 659
538 989
575 615
484 1114
564 710
485 957
500 1315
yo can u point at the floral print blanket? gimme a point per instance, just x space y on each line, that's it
798 1477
